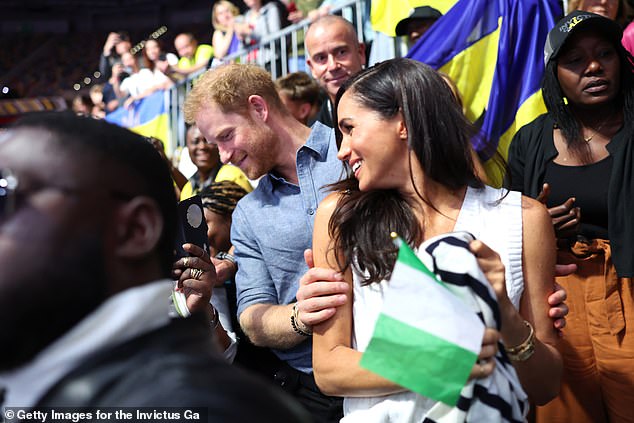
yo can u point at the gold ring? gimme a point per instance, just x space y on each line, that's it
196 273
186 261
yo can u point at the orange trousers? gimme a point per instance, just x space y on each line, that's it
598 341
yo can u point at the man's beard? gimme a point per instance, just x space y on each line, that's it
68 289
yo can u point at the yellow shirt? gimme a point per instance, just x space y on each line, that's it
204 52
226 173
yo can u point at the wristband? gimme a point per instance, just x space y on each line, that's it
295 323
226 256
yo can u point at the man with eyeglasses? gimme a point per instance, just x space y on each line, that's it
87 228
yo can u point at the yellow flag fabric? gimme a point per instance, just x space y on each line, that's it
385 14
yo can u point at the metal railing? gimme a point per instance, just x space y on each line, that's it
278 53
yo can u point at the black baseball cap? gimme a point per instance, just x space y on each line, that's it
421 12
573 22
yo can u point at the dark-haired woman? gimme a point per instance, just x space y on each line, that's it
406 141
578 159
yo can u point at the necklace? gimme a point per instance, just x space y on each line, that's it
595 131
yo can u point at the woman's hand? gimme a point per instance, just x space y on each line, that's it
566 218
491 265
486 359
196 277
225 270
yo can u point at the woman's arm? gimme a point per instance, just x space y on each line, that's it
163 85
540 374
221 42
335 363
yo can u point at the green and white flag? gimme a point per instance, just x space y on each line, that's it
426 339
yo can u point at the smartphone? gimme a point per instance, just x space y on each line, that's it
192 226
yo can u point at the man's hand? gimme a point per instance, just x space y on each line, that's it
320 292
196 277
566 218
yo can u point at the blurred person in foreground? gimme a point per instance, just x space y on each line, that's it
103 229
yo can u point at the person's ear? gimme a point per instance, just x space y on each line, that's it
259 107
402 129
138 228
304 111
362 54
309 63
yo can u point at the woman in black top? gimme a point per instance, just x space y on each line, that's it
579 160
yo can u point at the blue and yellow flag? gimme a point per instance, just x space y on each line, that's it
493 50
147 117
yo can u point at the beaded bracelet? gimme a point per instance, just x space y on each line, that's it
226 256
295 323
525 350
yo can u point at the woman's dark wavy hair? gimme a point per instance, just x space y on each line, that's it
439 135
563 116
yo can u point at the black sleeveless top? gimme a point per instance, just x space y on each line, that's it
589 185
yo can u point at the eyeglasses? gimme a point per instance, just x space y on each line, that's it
8 186
9 193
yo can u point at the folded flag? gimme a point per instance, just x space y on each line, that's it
426 339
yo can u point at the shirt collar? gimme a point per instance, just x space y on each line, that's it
320 138
319 141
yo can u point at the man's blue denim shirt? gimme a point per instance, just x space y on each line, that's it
273 225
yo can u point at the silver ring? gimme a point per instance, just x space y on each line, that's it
186 261
196 273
